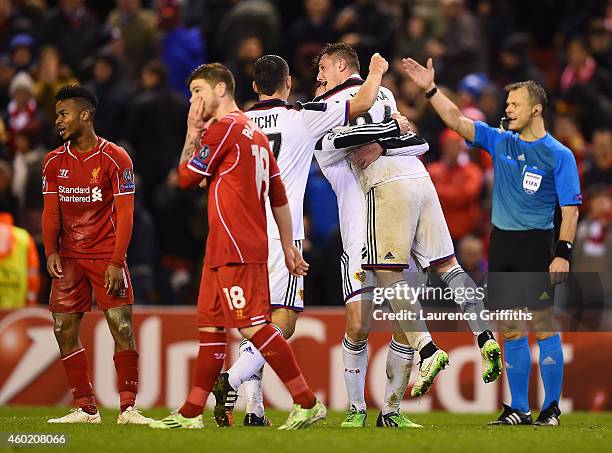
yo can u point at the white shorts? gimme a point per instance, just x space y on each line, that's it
286 291
403 217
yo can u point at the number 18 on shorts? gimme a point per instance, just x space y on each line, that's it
235 295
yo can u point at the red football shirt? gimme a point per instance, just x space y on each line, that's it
86 184
234 153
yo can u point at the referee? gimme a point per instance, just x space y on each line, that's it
532 171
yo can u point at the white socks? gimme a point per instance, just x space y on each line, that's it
248 369
469 302
399 364
355 357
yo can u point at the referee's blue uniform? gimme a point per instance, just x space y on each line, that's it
529 179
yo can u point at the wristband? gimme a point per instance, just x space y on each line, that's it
563 250
431 92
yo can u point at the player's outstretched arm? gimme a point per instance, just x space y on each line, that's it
444 107
365 97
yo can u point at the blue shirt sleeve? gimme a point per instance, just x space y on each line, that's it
567 182
485 137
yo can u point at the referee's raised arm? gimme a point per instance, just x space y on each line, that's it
444 107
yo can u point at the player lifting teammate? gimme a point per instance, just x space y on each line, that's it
292 131
88 189
393 184
227 150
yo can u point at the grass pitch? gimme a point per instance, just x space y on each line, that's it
442 431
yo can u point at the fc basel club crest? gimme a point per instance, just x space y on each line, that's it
203 152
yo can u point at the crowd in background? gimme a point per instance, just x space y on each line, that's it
135 55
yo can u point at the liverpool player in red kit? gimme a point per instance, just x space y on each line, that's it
227 150
88 188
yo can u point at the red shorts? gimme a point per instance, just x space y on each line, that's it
236 295
72 294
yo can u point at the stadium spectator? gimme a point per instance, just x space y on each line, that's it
7 71
51 75
155 127
472 258
593 248
28 157
600 44
138 29
586 87
307 37
246 19
414 38
114 95
515 62
19 265
181 228
73 29
8 202
459 185
22 51
182 48
249 51
367 27
141 253
599 167
566 130
22 113
9 25
462 49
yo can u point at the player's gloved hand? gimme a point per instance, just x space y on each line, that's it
423 77
378 64
366 154
114 279
403 122
559 269
54 266
294 261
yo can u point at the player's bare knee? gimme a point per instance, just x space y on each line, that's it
513 335
445 266
544 335
356 331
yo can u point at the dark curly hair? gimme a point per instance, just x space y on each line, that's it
80 93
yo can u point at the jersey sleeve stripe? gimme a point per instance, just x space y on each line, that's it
275 175
197 170
48 193
221 143
235 163
347 113
48 162
107 155
124 193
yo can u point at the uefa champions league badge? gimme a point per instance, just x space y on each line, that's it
203 152
128 180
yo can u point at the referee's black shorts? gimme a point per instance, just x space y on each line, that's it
518 269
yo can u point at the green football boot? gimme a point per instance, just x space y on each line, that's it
428 370
176 420
302 418
354 418
395 420
491 361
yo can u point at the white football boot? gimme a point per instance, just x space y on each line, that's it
132 416
77 415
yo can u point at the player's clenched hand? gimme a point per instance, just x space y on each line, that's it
403 122
366 154
422 76
54 266
113 279
559 268
294 261
378 64
195 120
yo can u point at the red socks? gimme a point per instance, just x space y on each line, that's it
126 365
208 366
77 372
279 355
